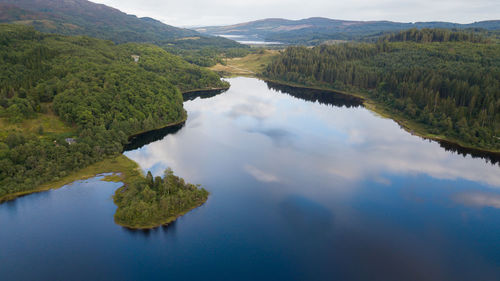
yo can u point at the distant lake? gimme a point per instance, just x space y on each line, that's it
252 40
304 186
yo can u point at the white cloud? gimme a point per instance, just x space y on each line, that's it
218 12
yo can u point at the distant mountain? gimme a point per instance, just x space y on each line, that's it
82 17
315 30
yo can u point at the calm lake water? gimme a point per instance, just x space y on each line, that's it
250 40
301 189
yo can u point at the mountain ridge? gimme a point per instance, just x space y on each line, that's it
316 29
82 17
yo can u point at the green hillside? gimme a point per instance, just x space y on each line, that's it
95 87
82 17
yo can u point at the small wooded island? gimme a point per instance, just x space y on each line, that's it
150 202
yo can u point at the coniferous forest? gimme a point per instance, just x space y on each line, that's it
446 81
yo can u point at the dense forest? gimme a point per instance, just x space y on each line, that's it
103 92
153 201
446 81
427 35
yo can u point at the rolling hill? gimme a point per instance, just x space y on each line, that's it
82 17
316 30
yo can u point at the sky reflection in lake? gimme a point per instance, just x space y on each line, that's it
300 190
350 195
284 136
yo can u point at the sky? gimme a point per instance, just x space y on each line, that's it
191 13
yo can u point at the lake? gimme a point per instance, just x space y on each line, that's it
249 40
304 186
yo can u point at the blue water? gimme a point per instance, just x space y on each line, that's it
300 190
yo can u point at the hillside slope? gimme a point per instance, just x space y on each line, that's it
82 17
314 30
97 88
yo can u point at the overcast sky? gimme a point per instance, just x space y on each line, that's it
190 13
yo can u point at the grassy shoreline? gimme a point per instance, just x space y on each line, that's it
120 166
383 111
122 170
105 166
251 66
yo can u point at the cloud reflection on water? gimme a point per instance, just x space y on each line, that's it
479 199
348 144
260 175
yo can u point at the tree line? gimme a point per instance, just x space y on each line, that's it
449 82
428 35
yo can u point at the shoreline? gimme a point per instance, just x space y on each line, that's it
203 93
83 174
121 169
114 165
121 172
173 124
184 119
381 110
166 222
205 90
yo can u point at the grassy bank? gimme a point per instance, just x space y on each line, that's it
384 111
123 169
253 65
418 129
249 65
126 171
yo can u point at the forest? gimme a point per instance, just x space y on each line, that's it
448 82
102 92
